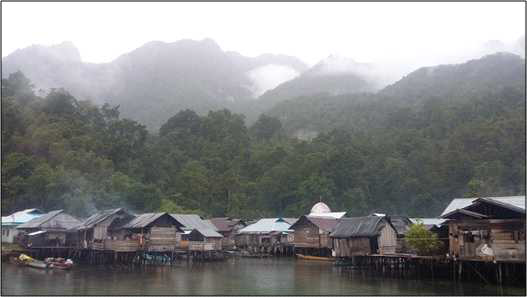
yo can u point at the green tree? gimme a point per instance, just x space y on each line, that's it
422 240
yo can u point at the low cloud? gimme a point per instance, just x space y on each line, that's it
268 77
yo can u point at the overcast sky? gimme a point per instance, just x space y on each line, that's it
366 32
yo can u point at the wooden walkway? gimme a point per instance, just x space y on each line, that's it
411 266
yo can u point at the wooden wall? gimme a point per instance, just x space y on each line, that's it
162 239
506 238
387 240
347 247
256 240
309 235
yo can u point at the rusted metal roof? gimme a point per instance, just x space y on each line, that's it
327 224
225 224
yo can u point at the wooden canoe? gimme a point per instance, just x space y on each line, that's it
316 258
37 264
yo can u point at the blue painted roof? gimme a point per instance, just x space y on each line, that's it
267 226
21 217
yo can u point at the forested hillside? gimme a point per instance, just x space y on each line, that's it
438 133
154 81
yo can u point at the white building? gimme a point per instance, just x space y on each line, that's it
322 210
10 222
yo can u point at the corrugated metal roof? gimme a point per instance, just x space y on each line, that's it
400 223
357 227
336 215
21 217
428 221
462 211
37 232
290 221
97 218
208 232
225 224
192 221
324 223
266 226
53 220
36 222
146 219
518 201
499 204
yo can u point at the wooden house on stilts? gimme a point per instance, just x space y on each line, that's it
361 236
311 235
156 232
487 229
102 231
48 230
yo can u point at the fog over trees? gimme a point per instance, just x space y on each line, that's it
189 127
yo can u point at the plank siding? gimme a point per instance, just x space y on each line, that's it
506 238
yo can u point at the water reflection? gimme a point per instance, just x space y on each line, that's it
235 276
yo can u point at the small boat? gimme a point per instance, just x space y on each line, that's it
59 263
37 264
28 261
62 266
316 258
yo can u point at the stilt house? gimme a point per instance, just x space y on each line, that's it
157 232
487 229
363 236
311 235
402 225
102 231
228 228
204 240
191 222
48 230
10 222
265 235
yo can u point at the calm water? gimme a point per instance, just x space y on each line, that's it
235 276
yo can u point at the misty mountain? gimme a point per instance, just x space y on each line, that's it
332 76
158 79
484 87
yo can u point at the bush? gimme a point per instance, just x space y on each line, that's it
422 240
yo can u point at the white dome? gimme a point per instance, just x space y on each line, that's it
320 207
